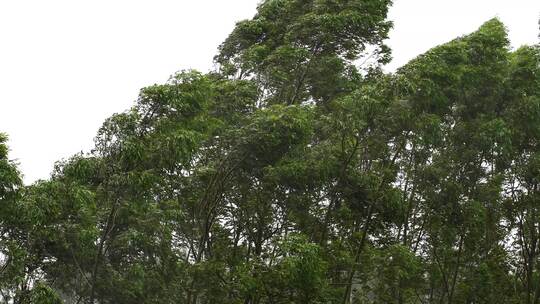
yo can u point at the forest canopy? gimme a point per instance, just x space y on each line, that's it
298 171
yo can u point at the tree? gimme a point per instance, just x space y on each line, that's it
299 51
296 174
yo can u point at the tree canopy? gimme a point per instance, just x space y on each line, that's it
298 172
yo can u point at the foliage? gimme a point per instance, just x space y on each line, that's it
293 174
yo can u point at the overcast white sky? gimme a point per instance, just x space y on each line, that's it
66 65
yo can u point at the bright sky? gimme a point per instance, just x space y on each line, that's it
66 65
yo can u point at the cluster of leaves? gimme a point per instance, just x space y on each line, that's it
294 175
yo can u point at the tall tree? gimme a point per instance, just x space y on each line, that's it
298 172
304 51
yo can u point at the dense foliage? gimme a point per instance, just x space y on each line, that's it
298 172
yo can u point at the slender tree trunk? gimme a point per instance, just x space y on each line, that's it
352 272
100 251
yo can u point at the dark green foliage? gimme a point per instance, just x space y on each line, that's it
302 50
293 175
